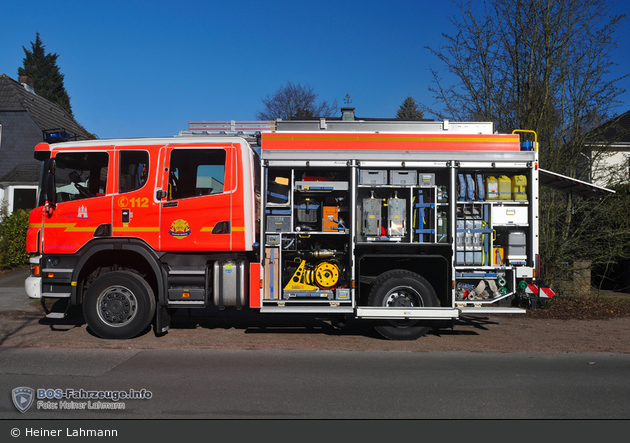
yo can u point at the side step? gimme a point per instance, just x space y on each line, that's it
55 314
490 310
389 313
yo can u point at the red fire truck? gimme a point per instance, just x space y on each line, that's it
403 224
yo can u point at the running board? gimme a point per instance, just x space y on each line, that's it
376 312
56 295
490 310
186 303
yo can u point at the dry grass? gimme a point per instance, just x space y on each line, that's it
590 307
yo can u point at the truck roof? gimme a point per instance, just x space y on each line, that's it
418 146
45 147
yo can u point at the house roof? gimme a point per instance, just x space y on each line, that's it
615 130
46 114
22 173
25 116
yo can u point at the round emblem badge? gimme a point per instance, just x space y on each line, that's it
179 229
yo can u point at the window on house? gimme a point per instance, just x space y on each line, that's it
24 199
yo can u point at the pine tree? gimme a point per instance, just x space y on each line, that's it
409 110
43 70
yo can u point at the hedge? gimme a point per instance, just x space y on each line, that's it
13 230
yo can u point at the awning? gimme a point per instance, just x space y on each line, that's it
572 185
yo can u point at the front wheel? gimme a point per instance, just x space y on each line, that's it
119 305
401 288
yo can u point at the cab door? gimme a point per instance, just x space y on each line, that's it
136 211
197 214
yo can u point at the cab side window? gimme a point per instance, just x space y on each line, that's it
133 170
196 172
80 175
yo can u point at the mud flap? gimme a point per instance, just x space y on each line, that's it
162 320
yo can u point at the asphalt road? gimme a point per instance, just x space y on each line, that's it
294 384
12 294
211 384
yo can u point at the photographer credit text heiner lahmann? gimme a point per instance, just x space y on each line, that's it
80 432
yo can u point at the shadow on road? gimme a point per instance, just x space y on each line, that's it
9 332
252 322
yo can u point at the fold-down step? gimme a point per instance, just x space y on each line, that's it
377 312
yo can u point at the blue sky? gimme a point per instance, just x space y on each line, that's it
147 68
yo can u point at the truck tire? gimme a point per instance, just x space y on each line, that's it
119 305
404 289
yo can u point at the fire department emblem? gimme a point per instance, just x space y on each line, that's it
180 229
23 398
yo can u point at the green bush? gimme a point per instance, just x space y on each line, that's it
13 230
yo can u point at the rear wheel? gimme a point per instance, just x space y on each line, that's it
119 305
401 288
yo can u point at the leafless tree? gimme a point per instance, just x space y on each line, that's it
542 65
294 101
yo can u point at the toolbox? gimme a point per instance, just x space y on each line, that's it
330 219
517 247
426 179
278 223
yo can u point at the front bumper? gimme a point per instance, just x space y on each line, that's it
33 283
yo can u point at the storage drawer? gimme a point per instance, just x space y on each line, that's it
304 186
510 215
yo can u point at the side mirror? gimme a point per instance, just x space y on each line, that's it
51 188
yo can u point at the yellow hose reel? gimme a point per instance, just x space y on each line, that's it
325 275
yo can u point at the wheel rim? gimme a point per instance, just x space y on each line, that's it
117 306
403 297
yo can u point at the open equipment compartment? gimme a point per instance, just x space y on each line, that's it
403 205
494 247
310 236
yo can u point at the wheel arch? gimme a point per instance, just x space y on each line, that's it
119 254
401 288
436 269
